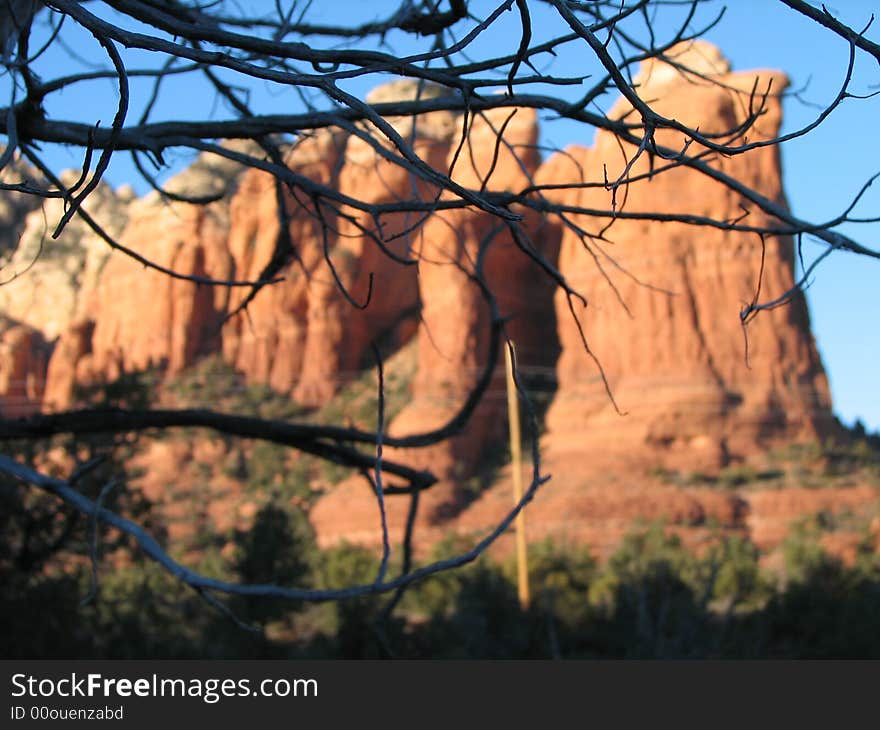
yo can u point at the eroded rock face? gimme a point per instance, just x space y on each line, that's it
69 365
170 332
304 336
664 300
663 321
23 357
53 278
454 247
340 335
460 245
130 317
49 283
267 345
663 317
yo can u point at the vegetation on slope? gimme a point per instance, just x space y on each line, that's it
652 598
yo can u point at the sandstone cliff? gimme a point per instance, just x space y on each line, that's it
24 354
131 318
663 321
48 283
460 246
268 344
665 297
663 314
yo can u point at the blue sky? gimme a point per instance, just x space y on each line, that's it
821 172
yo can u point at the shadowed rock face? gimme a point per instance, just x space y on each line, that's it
14 208
454 334
23 357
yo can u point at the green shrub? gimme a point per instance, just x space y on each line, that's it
277 549
803 554
736 575
559 578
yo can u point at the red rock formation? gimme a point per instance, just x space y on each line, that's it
23 357
267 343
350 513
663 320
455 328
663 314
133 317
453 335
167 320
599 513
55 277
51 282
774 511
339 334
677 363
69 365
303 336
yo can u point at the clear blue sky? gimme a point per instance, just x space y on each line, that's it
822 172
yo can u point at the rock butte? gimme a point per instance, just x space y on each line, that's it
663 314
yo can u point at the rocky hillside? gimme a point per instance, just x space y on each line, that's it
663 315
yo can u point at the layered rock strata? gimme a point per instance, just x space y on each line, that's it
133 318
665 297
662 320
693 389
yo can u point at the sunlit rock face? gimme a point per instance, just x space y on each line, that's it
458 246
131 317
268 343
694 390
663 316
47 281
351 277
